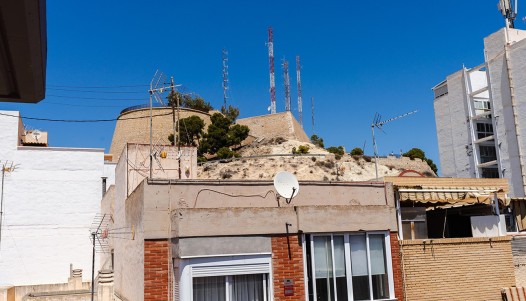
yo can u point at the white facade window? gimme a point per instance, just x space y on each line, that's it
345 267
226 278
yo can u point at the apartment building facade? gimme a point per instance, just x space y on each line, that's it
480 114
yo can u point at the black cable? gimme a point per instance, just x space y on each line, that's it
72 105
95 98
98 87
92 91
85 120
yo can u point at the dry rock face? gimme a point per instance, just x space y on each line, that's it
262 160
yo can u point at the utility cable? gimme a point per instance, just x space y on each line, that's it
83 120
97 87
93 91
95 98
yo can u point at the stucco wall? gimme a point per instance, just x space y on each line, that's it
275 125
460 269
128 130
50 200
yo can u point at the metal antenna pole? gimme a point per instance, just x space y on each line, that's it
2 204
375 150
172 87
312 112
270 45
93 234
298 79
286 80
5 169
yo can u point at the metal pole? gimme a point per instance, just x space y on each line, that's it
93 268
375 153
151 135
2 203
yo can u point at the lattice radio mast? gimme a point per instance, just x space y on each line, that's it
286 81
298 79
312 113
270 45
225 76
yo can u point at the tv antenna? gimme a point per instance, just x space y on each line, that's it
379 124
158 86
7 167
508 11
286 185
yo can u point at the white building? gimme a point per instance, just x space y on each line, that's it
480 114
50 201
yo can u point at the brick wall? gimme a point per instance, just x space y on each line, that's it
397 267
156 270
457 268
518 247
284 267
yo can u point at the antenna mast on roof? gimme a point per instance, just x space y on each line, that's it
225 76
286 81
270 45
312 112
509 11
377 123
298 79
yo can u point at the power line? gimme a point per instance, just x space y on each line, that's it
97 87
93 91
95 98
83 120
72 105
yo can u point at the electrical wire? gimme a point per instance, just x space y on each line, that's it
234 195
93 91
94 98
83 120
97 87
72 105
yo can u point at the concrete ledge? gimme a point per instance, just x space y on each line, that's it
464 240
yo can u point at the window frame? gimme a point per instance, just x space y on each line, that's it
249 263
348 267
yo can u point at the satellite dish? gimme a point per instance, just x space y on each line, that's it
286 185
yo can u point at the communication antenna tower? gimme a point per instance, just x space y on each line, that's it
225 76
286 80
298 79
270 45
7 167
312 112
508 11
378 124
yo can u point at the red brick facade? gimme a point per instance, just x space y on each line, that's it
284 267
156 270
397 267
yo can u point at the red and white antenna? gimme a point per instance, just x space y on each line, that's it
286 81
270 45
298 79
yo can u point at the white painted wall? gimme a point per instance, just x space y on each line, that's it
50 202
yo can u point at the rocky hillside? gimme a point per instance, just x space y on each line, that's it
262 159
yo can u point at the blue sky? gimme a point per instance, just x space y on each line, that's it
357 59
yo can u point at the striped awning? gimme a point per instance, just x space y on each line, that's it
451 195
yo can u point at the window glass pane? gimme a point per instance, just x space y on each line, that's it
247 287
378 266
406 230
209 288
323 268
339 264
420 230
358 255
360 278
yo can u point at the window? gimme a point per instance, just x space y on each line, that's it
224 278
484 130
346 267
482 106
488 153
490 173
414 222
251 287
